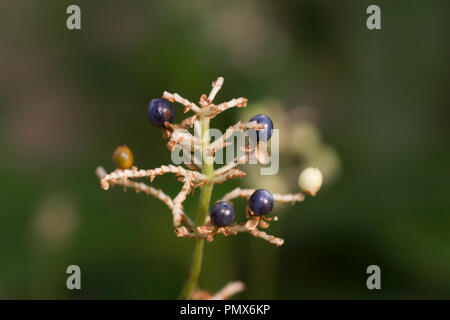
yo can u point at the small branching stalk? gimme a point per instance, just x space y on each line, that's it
199 157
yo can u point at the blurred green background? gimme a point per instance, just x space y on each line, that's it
379 98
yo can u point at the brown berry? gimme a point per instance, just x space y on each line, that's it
123 157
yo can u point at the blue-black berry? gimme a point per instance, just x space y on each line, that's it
261 202
160 111
266 133
222 214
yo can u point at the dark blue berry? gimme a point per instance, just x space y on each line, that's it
261 202
266 133
222 214
160 111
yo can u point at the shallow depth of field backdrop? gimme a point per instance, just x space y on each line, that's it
379 98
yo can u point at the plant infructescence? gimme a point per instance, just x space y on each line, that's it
202 174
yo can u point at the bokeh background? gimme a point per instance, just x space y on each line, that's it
371 107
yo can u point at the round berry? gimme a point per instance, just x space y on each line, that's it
261 202
266 133
160 111
222 214
310 180
123 157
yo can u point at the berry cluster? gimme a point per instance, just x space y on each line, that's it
260 203
203 175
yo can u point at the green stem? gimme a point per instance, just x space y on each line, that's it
200 219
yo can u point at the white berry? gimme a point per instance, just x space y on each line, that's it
310 180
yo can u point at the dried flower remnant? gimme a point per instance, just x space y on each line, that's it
192 136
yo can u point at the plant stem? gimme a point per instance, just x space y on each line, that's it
200 219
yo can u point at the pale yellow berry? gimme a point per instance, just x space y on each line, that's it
310 180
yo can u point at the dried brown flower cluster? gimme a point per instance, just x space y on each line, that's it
201 172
